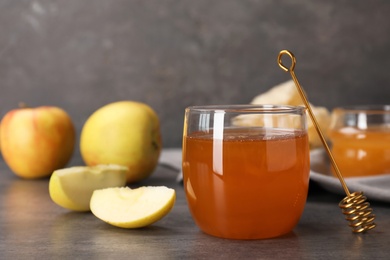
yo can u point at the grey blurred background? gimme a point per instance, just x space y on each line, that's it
170 54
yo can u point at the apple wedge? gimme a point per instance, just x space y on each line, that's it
72 188
132 208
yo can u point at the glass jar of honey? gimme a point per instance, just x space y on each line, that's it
360 140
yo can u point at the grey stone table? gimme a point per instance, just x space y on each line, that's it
33 227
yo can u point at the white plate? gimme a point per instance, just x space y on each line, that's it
171 158
374 187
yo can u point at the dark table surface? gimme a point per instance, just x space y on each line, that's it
33 227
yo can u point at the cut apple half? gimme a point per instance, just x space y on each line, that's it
132 208
72 188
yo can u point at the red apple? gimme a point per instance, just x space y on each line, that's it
36 141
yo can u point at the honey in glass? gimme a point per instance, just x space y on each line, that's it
246 182
360 140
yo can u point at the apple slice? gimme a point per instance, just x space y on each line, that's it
132 208
72 188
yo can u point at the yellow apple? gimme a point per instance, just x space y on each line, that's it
72 188
0 137
132 208
37 141
125 133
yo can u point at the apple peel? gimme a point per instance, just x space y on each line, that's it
132 208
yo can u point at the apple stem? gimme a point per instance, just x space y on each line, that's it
22 105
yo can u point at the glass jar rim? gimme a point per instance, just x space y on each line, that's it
249 108
369 109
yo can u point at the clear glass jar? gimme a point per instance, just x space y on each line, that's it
246 169
360 139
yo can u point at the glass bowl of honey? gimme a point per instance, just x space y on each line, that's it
360 139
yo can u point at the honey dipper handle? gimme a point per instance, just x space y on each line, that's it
311 114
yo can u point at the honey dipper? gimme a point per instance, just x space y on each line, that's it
356 209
